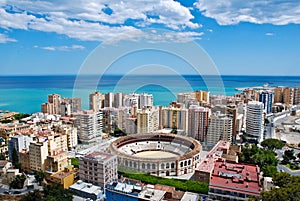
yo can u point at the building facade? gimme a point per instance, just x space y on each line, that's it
98 168
220 128
198 122
255 120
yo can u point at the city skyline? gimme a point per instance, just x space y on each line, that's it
242 38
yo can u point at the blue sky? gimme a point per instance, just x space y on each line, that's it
242 37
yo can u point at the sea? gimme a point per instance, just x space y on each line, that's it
26 94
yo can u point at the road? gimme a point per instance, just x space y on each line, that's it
282 168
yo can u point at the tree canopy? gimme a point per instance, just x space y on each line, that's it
288 188
272 144
50 193
265 159
40 176
18 182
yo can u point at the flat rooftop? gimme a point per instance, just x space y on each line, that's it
99 156
234 177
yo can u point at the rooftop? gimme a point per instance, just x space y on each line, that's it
99 156
86 187
234 177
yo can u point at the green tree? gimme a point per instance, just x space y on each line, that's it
269 170
21 116
75 162
18 182
40 176
174 130
2 156
289 188
50 193
33 196
57 193
272 144
15 159
288 156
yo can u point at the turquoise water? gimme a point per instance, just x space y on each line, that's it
26 93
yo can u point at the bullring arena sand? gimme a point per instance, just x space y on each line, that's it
155 154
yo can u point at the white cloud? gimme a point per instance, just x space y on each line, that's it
87 20
229 12
61 48
6 39
269 34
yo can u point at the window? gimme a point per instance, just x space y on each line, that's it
153 166
172 165
162 166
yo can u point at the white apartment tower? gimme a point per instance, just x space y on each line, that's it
89 125
146 100
220 128
255 120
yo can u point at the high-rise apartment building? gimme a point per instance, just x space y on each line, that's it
95 101
198 122
202 96
146 100
131 125
255 120
118 100
38 152
267 99
147 120
174 118
70 106
98 168
296 95
220 128
284 95
89 125
53 104
109 100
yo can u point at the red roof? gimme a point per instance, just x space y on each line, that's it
234 177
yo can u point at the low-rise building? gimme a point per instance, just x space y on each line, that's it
57 161
98 168
25 160
231 181
4 166
87 190
64 178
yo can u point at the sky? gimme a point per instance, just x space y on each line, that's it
253 37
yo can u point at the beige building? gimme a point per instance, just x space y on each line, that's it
147 120
296 95
284 95
53 104
25 159
38 152
98 168
172 117
57 161
220 128
72 138
96 100
198 122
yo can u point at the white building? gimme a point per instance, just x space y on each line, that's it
146 100
89 125
220 128
255 120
